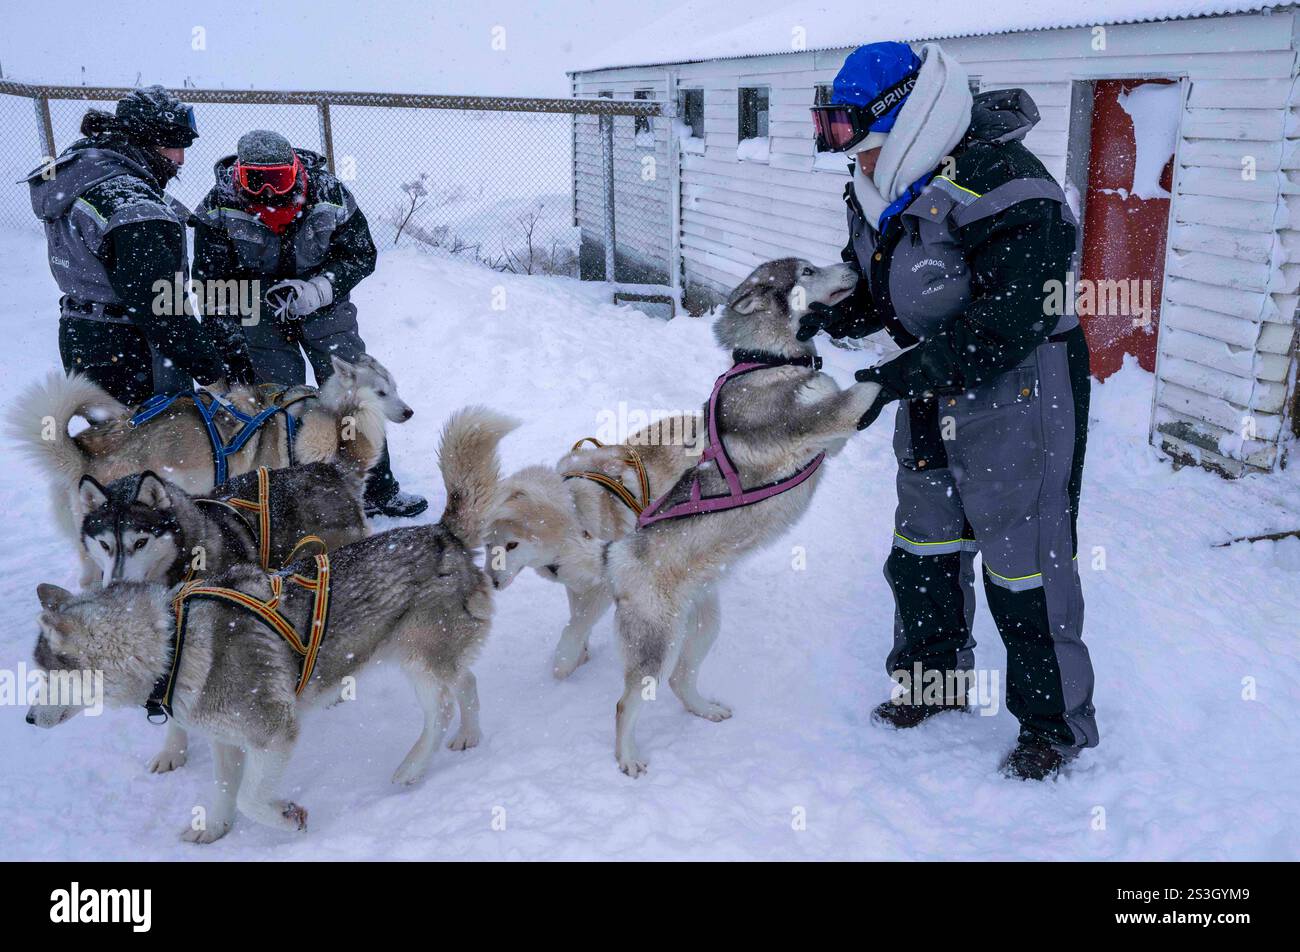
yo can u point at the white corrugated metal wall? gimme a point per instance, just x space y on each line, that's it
1227 354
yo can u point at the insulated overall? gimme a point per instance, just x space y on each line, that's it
994 469
82 199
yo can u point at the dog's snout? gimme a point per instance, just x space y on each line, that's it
407 414
31 718
496 583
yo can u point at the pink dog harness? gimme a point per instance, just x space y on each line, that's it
716 453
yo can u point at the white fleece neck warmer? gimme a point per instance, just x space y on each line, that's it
931 122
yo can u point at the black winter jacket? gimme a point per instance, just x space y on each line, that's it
329 237
1010 256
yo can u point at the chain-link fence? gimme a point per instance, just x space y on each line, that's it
536 186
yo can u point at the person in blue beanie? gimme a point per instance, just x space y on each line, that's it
960 235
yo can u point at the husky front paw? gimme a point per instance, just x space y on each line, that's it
564 664
167 760
710 710
465 739
209 834
632 767
410 773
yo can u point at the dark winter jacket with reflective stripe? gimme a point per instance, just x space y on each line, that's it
329 237
960 271
112 235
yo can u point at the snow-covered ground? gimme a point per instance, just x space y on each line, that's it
1187 768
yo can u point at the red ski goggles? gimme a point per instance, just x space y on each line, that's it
264 179
840 127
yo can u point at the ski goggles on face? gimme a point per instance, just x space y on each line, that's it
837 128
267 179
840 126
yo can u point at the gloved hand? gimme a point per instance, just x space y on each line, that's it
886 396
296 298
837 320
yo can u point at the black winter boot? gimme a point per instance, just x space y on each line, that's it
384 497
1034 758
905 715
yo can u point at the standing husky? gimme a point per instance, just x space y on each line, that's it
143 529
772 425
352 405
558 526
413 593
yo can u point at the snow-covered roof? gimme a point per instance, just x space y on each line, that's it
697 30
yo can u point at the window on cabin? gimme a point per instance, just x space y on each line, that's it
753 112
821 97
690 111
754 145
641 124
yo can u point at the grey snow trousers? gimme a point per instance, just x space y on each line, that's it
1004 483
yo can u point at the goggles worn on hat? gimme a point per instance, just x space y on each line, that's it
276 179
840 126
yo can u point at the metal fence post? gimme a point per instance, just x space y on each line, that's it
607 170
674 190
44 126
326 133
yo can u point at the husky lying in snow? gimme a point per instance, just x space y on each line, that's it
352 405
414 593
773 425
558 526
143 529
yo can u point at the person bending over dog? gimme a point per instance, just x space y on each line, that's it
957 231
112 235
278 216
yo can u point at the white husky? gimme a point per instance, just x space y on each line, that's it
558 526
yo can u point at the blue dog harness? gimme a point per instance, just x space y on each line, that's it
160 403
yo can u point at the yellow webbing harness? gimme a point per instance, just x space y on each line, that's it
266 612
616 486
262 509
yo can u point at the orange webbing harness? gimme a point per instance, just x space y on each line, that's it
616 486
266 612
262 509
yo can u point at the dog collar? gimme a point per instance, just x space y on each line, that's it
742 356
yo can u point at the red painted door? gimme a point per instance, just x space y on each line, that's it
1130 176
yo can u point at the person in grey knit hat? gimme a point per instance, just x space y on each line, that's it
277 215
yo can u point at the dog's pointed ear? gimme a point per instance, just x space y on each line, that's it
152 492
52 598
346 371
90 494
748 302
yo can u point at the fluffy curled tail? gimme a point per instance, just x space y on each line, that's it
467 456
39 420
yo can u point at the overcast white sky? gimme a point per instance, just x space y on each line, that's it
435 46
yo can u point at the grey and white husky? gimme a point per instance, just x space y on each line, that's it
352 405
664 576
414 594
144 529
558 527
